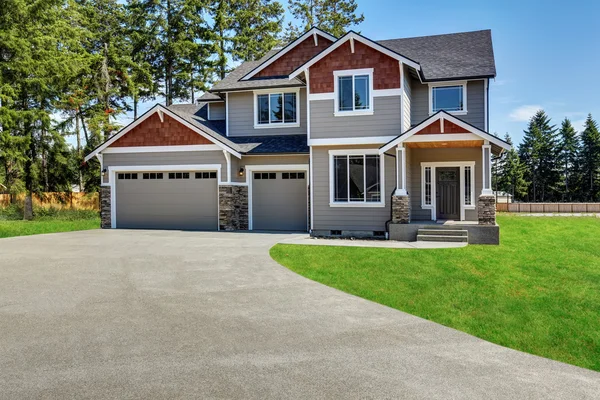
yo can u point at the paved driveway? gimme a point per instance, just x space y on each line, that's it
141 314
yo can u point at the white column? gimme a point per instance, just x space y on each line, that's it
486 152
400 171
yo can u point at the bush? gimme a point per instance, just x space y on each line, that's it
11 212
15 212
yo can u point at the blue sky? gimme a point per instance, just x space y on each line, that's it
547 52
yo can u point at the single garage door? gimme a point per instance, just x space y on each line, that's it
279 201
167 200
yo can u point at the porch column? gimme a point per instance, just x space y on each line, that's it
400 199
486 205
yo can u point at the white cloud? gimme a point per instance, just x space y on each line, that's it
524 113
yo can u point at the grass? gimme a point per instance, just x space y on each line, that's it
47 220
538 292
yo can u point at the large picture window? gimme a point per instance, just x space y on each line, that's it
448 98
357 178
273 109
353 92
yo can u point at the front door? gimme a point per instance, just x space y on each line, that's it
447 193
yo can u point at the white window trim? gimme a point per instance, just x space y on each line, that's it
461 165
444 84
356 152
272 125
336 97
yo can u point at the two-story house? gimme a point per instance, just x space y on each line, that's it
335 136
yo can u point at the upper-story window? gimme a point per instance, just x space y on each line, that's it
451 97
353 92
276 109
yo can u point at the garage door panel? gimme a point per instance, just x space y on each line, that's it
167 203
279 204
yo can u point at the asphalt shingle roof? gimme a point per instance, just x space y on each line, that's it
451 56
442 57
195 114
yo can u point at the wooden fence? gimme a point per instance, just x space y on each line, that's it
77 201
549 207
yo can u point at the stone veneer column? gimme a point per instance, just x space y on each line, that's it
233 208
105 214
400 209
486 210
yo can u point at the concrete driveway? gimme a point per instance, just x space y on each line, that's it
151 314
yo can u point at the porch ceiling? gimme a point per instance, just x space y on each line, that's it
444 144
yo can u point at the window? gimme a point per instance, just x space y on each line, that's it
468 186
179 175
427 188
292 175
152 175
127 176
451 98
276 109
357 178
206 175
353 92
265 175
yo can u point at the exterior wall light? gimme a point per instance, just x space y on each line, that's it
241 171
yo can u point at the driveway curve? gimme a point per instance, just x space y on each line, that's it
155 314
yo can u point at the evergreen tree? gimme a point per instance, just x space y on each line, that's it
538 152
590 160
512 180
334 17
569 149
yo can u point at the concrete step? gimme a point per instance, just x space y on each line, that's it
442 238
445 232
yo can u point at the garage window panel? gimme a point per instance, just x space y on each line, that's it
179 175
292 175
206 175
127 175
152 175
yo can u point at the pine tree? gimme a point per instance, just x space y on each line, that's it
334 17
569 148
590 160
512 179
538 153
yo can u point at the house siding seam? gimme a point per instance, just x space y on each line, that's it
294 58
153 132
241 116
385 121
386 73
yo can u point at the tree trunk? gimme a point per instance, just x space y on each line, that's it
135 106
28 207
78 133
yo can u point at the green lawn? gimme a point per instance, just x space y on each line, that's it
48 221
539 291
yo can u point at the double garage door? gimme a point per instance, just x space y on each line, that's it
189 200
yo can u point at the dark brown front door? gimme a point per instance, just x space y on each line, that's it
447 193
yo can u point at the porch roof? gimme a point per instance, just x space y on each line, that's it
432 130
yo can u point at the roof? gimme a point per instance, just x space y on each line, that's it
441 57
207 97
233 80
451 56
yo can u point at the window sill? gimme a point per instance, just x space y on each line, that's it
352 113
469 207
357 205
272 126
450 112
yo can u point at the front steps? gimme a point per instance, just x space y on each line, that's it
443 235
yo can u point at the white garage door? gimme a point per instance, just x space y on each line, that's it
167 200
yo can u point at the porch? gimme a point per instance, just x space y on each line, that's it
443 174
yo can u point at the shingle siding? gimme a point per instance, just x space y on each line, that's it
347 218
241 116
385 120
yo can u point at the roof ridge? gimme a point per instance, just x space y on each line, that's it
437 35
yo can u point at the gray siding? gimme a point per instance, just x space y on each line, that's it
475 103
407 100
414 160
263 160
348 218
385 120
241 116
168 158
217 110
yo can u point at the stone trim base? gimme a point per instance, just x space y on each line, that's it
400 209
486 210
105 213
233 208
